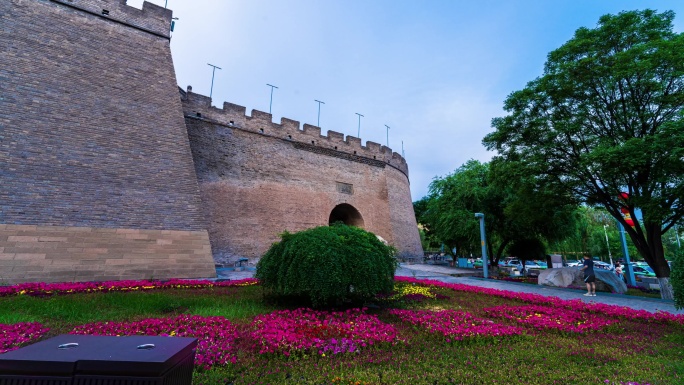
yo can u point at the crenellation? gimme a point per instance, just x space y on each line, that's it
261 122
151 18
336 137
312 130
197 99
234 109
354 144
291 126
373 147
262 116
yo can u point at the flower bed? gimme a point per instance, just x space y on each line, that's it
455 325
555 302
543 317
39 289
12 336
306 330
215 335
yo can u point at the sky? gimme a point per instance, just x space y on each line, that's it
435 71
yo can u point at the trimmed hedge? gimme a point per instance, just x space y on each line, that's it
328 265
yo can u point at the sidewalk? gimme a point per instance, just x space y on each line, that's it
443 274
446 274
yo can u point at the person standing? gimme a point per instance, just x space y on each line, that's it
589 277
618 270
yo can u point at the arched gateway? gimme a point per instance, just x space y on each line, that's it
346 214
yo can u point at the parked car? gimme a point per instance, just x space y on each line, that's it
643 271
574 263
603 265
542 264
518 264
478 263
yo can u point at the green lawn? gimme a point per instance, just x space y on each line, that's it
628 350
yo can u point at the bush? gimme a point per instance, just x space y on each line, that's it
677 278
328 265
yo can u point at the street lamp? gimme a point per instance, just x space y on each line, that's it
358 133
213 71
485 269
319 111
608 245
388 128
270 104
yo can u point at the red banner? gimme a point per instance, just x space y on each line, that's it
625 211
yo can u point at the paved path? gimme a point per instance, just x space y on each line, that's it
445 274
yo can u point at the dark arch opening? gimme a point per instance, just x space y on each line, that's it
346 214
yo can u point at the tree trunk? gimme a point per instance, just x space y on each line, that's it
666 291
650 246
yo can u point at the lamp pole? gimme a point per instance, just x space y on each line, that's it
319 111
625 252
608 244
270 104
677 236
211 90
388 128
402 150
358 133
483 238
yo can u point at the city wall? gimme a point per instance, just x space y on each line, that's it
258 178
96 174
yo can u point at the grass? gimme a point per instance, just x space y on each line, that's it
630 350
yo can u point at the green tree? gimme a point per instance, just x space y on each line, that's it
605 118
513 208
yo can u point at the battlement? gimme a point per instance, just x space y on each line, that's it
235 116
151 18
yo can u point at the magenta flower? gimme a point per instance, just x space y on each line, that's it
544 317
47 289
14 335
455 325
215 335
321 332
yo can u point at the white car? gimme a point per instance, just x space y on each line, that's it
518 264
603 265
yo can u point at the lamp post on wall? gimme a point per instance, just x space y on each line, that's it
270 104
388 128
319 112
485 267
213 71
358 133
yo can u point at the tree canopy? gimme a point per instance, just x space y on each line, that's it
606 117
514 209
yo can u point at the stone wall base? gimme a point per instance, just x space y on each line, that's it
69 254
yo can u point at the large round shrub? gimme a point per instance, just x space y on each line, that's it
328 265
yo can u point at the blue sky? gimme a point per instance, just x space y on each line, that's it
436 72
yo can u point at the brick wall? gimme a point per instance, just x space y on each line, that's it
258 179
92 136
403 218
92 129
60 254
